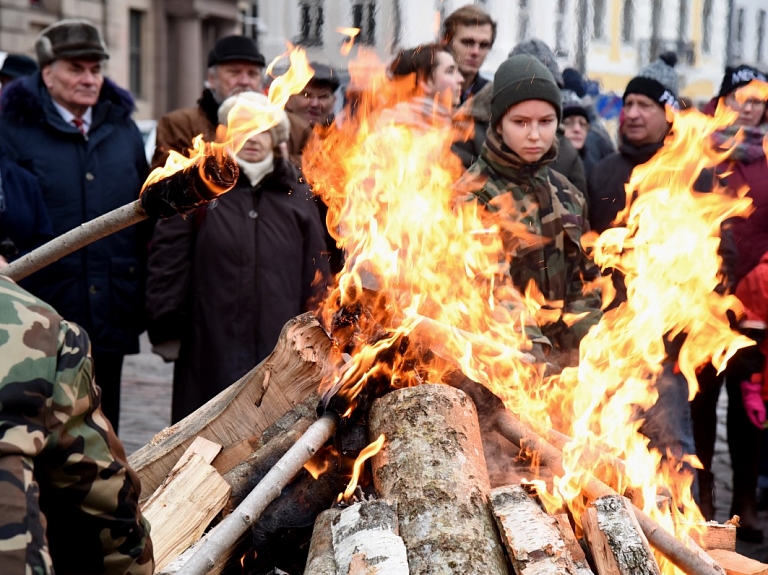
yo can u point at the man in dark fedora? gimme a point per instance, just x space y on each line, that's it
235 65
72 129
16 66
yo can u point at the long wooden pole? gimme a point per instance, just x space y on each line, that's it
226 533
75 239
509 427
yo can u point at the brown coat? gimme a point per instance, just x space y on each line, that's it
177 129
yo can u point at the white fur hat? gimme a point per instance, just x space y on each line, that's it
280 131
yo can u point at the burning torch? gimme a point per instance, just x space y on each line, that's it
183 184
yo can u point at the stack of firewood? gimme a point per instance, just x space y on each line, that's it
434 509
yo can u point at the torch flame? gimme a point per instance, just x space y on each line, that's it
245 120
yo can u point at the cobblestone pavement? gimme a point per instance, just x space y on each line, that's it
146 409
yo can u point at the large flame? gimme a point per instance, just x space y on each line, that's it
424 290
245 119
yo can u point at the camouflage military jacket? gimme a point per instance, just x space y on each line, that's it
542 219
68 500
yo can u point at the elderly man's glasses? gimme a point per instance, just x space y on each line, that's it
321 97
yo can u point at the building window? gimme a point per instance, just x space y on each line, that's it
136 23
249 16
706 35
364 18
627 21
560 47
760 36
682 21
738 44
598 20
312 19
523 20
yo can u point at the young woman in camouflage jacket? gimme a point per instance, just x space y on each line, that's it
518 183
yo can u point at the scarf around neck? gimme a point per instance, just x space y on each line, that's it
255 171
746 143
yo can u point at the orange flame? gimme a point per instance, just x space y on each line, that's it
365 454
349 41
245 120
425 290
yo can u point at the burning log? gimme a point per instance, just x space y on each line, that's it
365 540
237 416
577 553
692 561
183 507
228 532
433 460
532 538
321 560
176 194
618 545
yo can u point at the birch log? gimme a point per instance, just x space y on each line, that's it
321 560
365 540
433 465
618 545
688 557
532 537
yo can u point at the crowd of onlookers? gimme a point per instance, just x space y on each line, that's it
214 287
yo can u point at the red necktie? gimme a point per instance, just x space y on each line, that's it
79 124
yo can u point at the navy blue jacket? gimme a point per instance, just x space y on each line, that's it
100 287
24 221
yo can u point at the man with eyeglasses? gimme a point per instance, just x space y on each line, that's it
317 101
469 33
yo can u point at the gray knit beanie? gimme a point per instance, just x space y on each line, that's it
657 80
543 53
522 78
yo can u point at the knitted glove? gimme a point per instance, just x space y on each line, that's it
753 402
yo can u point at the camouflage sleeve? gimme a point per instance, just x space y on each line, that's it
68 500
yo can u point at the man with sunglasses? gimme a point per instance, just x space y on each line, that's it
469 33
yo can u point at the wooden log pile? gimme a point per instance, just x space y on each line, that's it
430 506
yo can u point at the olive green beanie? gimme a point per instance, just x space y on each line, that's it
522 78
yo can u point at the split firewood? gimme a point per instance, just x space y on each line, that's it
735 564
249 406
577 553
183 507
227 533
688 557
717 536
321 559
365 540
617 543
433 460
533 540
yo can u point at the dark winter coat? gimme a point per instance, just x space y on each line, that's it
478 108
226 279
101 286
24 221
606 196
596 147
747 166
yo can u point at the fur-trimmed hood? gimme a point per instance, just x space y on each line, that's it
23 101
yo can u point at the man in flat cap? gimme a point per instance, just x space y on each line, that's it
317 101
235 65
72 129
